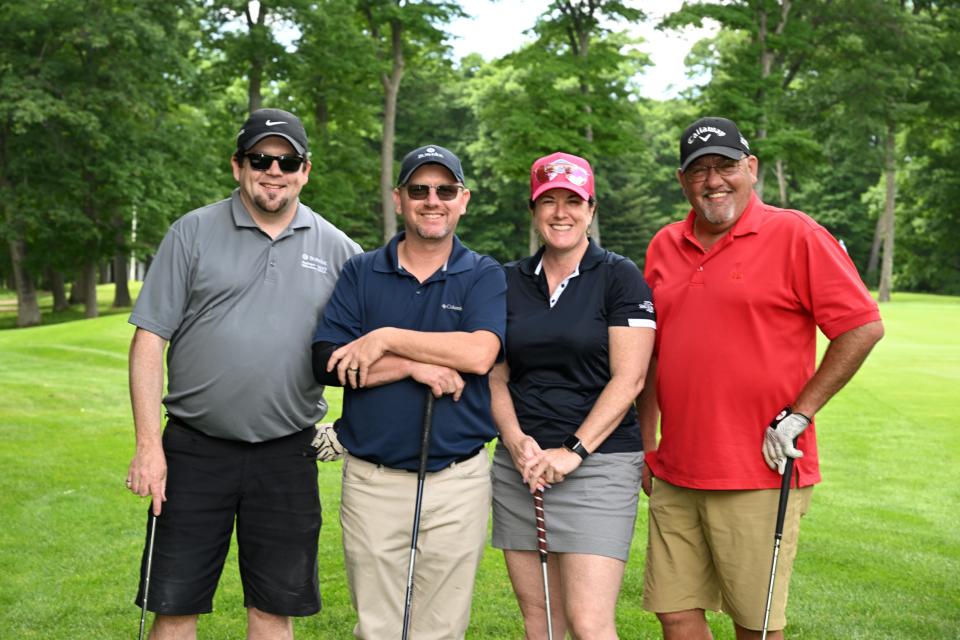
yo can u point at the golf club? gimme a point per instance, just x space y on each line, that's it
542 545
777 535
146 582
421 474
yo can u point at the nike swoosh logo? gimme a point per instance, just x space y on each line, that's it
271 123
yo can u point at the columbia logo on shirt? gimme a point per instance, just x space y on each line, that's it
450 307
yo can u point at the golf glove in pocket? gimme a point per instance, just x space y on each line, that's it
778 441
326 443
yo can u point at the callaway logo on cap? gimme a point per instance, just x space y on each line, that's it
272 122
712 136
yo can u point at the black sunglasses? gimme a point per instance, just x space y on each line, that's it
263 162
444 191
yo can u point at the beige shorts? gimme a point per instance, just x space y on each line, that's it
376 513
713 550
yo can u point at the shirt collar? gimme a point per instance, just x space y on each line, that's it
387 261
593 256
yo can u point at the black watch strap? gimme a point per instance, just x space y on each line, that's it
573 444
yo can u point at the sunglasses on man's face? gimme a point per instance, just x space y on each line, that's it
422 191
263 162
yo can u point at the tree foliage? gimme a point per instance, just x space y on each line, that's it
122 114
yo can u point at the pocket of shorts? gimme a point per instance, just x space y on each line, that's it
176 438
356 471
473 468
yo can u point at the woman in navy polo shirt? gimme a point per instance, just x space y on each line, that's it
580 330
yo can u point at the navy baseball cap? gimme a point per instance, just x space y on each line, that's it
430 154
706 136
263 123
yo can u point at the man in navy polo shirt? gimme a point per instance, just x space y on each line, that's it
422 310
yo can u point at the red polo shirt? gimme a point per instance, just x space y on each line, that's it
736 340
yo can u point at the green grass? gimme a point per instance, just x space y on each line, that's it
105 295
879 551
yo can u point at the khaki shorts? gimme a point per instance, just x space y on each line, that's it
376 513
713 550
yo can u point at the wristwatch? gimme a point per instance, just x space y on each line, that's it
573 444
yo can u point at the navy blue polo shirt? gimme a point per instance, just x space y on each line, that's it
559 355
384 424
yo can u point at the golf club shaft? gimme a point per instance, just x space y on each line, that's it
146 582
421 476
777 537
542 546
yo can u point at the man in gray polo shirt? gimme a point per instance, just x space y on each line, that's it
236 288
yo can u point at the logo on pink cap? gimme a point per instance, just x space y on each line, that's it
561 171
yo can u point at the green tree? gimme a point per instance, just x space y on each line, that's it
531 103
402 31
85 86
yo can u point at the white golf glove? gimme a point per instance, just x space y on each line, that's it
326 443
779 438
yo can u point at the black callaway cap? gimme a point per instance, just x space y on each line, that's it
430 154
263 123
717 136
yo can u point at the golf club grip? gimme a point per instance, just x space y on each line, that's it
784 495
425 439
541 525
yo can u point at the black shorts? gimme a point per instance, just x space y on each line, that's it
270 489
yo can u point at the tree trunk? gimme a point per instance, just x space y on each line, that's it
782 182
256 27
89 280
889 213
391 88
28 307
766 66
766 61
58 289
121 291
874 260
77 290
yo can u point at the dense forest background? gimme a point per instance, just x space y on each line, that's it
118 116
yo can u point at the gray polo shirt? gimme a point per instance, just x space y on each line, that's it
239 310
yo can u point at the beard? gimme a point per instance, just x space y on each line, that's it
717 213
268 205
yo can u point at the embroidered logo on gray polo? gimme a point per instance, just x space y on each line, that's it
451 307
647 306
313 263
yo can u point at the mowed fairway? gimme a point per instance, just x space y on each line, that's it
879 551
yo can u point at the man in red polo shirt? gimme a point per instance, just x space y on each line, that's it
740 288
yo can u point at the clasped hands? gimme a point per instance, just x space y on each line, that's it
541 468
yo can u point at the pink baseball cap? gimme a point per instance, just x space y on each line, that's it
561 171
